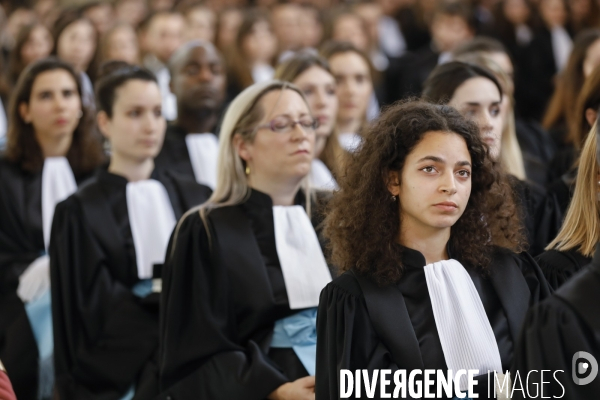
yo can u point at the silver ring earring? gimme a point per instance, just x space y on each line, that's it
394 198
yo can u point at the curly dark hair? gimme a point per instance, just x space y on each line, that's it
362 222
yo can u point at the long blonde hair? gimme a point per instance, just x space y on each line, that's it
581 228
242 117
511 155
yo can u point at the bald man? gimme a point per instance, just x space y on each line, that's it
199 83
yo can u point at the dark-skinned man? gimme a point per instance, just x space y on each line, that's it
198 81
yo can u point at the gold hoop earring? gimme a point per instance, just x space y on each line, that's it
247 170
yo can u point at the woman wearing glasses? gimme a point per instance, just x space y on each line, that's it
245 269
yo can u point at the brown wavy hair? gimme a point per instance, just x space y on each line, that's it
362 221
22 148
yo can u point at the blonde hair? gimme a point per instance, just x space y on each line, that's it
242 117
581 228
511 155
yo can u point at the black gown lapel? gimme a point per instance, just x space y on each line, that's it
102 222
513 292
392 323
239 252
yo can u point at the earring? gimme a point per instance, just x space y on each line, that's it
394 198
247 170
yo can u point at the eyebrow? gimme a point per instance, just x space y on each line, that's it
442 161
475 103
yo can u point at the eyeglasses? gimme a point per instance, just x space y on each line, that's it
286 124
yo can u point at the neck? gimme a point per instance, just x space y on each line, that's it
130 169
349 125
282 193
432 243
55 147
197 121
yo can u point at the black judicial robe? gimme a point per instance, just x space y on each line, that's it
541 214
223 291
106 339
559 266
174 155
363 326
566 323
21 242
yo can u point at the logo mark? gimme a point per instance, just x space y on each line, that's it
590 365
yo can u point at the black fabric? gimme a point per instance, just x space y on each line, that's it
559 266
555 330
412 70
537 70
364 326
223 290
106 339
21 242
540 213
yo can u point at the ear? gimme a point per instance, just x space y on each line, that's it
24 112
242 147
591 115
393 183
103 122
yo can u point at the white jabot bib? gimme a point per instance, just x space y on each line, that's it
3 121
561 46
349 141
465 332
169 100
262 73
203 149
152 220
303 265
58 183
320 176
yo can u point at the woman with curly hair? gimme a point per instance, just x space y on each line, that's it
428 244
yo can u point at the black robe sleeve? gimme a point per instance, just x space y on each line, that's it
346 338
201 356
551 336
103 334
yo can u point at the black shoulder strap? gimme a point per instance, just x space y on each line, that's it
390 319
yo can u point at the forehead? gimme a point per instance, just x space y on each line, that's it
55 79
314 75
447 145
348 62
279 102
80 24
144 93
476 90
201 55
163 21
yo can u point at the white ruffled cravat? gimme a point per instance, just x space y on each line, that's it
320 176
58 183
561 46
152 220
303 265
203 149
465 332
